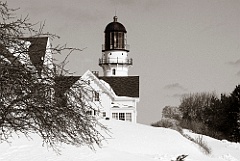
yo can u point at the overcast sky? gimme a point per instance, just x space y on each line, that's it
178 46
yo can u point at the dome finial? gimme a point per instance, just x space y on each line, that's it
115 19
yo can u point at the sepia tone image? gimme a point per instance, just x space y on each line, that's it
137 80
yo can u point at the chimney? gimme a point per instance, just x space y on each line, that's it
96 73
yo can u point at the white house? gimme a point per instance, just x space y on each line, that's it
115 97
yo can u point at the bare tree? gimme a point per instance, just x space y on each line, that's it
193 105
171 112
33 97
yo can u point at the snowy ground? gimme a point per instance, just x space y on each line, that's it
128 142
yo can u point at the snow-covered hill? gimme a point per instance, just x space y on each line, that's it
128 142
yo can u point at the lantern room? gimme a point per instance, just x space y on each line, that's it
115 36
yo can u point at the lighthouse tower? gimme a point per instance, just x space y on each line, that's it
115 61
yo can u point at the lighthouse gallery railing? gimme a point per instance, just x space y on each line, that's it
103 61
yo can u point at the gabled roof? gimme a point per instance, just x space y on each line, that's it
63 83
124 86
37 51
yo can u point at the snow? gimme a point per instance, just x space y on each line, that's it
128 142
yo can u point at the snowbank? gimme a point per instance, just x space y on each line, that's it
128 142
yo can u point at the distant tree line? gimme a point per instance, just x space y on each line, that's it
217 117
205 113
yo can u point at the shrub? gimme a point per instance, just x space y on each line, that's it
201 128
166 123
195 126
171 113
169 123
202 144
177 128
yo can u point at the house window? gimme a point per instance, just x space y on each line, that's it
104 114
96 96
122 116
89 112
129 117
115 116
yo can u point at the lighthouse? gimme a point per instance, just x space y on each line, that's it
115 94
115 61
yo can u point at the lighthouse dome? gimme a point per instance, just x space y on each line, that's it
115 26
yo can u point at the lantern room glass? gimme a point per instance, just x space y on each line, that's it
115 40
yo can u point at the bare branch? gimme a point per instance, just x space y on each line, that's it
34 98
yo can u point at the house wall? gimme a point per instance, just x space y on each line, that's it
48 59
108 102
125 105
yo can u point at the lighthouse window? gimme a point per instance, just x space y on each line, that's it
115 40
111 42
120 40
114 71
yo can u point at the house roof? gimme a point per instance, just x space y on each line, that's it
37 51
124 86
63 83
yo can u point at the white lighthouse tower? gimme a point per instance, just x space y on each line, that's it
115 61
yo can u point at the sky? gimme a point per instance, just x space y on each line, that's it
178 47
